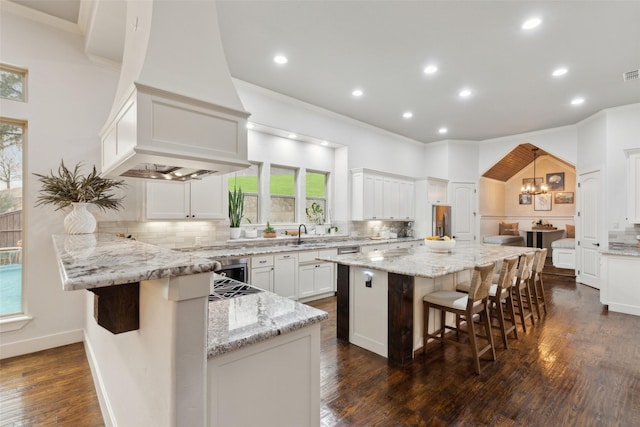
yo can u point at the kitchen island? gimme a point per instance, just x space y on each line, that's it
189 361
380 295
620 270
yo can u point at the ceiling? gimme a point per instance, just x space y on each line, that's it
382 47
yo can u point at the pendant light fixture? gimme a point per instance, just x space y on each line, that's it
534 188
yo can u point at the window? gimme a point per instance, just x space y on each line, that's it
316 192
11 140
282 188
13 83
248 181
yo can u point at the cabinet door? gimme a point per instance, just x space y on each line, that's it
285 280
406 204
633 184
167 200
378 197
437 191
391 200
207 198
368 197
323 276
306 280
262 277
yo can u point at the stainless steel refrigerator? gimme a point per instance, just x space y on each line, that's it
441 220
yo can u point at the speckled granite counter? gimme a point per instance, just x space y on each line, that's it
261 247
422 262
89 261
237 322
626 250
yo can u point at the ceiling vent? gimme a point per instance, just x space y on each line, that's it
631 75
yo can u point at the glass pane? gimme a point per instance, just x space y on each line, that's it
11 137
316 183
246 179
316 214
283 210
12 83
283 182
250 209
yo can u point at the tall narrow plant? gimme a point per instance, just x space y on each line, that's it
236 206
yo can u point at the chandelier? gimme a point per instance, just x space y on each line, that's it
534 188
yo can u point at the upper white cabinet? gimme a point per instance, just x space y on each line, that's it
633 184
378 196
198 199
437 191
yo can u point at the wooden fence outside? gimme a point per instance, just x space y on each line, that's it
10 229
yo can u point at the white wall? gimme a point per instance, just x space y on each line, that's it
69 99
463 161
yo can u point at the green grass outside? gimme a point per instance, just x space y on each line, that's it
283 185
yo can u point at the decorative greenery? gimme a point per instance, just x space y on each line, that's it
70 187
316 214
236 206
269 228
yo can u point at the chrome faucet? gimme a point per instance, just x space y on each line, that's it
300 227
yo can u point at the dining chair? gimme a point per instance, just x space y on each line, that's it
521 292
465 305
536 284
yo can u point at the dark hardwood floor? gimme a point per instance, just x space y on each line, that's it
579 367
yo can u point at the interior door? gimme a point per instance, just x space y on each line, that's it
589 231
463 196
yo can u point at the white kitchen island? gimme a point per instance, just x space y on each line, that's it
162 354
620 271
380 293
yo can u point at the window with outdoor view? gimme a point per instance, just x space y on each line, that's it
316 197
248 181
282 189
13 83
12 139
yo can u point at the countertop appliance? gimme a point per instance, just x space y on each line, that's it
234 268
441 220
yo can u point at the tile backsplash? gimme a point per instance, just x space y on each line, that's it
170 234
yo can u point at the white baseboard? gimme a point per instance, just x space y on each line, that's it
105 406
41 343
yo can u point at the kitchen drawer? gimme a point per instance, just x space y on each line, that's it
307 256
328 252
262 261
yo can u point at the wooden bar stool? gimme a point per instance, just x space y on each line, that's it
476 302
537 286
501 299
521 293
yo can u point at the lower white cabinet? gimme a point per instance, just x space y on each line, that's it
377 247
285 280
621 288
262 272
315 277
402 245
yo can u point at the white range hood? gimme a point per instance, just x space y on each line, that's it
176 114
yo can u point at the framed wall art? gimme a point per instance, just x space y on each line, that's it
563 198
525 199
555 181
542 202
526 181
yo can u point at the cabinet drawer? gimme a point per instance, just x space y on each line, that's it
262 261
307 256
328 252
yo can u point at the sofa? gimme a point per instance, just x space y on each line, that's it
508 235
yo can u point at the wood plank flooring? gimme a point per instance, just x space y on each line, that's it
579 367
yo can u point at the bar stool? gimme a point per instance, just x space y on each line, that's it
520 285
537 286
501 298
476 302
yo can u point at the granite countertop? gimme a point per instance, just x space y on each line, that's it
420 261
252 247
237 322
622 249
89 261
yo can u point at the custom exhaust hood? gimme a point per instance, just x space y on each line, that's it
176 114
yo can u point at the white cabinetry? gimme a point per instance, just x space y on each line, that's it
633 185
201 199
621 290
285 277
403 245
262 272
377 247
437 190
367 309
315 277
379 196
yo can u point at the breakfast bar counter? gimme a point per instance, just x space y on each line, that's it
380 294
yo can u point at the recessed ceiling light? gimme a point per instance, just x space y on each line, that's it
465 93
559 72
407 114
357 93
430 69
443 130
280 59
532 23
250 125
577 101
324 143
292 136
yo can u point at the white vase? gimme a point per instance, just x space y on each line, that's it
235 232
79 220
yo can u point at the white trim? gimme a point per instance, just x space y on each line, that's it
108 416
13 323
41 343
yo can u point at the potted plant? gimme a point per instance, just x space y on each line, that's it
315 215
236 210
269 231
70 188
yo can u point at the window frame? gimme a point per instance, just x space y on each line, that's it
294 197
24 73
324 199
